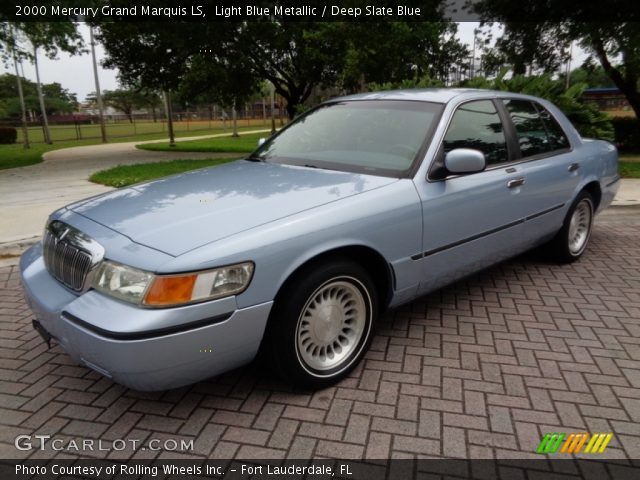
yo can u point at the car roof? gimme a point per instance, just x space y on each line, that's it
439 95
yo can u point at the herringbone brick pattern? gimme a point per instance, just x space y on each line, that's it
481 369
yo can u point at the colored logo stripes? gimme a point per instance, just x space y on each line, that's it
574 443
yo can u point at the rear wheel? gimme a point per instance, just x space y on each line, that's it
321 324
571 241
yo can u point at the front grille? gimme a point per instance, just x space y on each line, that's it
65 262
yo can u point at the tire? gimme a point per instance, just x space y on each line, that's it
321 325
571 241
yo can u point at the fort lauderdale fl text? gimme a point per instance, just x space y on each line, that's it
326 11
169 469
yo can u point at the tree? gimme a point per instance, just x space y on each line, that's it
607 34
608 42
531 47
122 99
152 56
296 56
50 37
590 74
418 49
216 80
299 56
58 100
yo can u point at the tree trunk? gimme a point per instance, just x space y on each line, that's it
103 128
169 112
23 110
234 114
628 86
45 121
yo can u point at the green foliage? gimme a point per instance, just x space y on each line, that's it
57 99
222 82
300 109
396 52
127 100
20 38
593 76
614 42
586 117
629 169
8 135
124 175
627 133
223 62
423 82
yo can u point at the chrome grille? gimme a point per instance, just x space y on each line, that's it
65 258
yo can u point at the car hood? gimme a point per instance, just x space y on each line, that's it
183 212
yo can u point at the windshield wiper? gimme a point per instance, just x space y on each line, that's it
255 158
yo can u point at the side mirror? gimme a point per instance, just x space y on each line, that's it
261 141
465 160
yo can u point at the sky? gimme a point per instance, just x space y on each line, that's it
75 73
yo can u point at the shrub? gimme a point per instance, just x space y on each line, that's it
627 133
8 135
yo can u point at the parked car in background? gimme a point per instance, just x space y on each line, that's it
362 204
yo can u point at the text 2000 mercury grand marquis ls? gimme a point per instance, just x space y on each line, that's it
364 203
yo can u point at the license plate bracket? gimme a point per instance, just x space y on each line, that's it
46 336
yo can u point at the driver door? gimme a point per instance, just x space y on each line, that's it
470 221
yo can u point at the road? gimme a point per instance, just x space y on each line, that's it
480 369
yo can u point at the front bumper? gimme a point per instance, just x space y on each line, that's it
144 349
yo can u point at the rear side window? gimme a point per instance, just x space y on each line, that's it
557 138
477 125
537 131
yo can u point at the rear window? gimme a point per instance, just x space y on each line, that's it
537 131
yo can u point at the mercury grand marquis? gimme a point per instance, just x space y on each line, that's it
362 204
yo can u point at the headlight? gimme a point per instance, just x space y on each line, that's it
137 286
120 281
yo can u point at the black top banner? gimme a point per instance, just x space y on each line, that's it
98 11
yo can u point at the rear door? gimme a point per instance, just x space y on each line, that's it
549 168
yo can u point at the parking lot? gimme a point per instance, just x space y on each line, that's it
481 369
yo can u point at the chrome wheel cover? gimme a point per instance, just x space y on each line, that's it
332 324
580 226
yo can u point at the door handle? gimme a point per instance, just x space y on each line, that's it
515 183
573 167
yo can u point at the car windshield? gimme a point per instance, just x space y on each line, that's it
368 136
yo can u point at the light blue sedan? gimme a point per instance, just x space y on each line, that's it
362 204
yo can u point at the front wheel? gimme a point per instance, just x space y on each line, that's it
322 322
571 241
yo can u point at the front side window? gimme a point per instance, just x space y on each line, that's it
477 125
369 136
536 129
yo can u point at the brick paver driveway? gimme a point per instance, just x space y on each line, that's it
480 369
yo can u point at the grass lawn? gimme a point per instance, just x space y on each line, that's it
124 128
125 175
243 143
16 156
629 166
